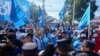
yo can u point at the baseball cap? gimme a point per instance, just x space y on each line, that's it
29 46
22 35
83 35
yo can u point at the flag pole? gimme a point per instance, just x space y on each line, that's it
7 25
73 13
89 31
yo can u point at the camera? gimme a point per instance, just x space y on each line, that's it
3 40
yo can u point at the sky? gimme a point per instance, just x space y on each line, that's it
97 13
53 7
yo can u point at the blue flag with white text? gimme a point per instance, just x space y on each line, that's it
85 20
40 18
4 10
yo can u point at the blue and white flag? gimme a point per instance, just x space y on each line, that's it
40 18
61 13
5 6
24 5
85 20
19 11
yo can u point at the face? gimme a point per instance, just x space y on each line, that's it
26 39
63 35
41 34
83 48
82 39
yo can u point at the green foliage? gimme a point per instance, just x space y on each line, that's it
67 18
34 12
80 7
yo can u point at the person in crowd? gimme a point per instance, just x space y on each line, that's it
29 30
47 31
94 36
25 37
97 41
62 48
63 35
6 46
53 37
75 37
29 48
43 41
13 42
77 44
69 32
48 51
87 47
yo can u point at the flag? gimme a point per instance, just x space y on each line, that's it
19 23
25 6
40 18
18 12
4 10
61 13
85 20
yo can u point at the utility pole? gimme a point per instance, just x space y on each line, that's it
73 12
43 10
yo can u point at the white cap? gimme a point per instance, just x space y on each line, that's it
21 36
83 35
29 46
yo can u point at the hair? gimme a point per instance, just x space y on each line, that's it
49 50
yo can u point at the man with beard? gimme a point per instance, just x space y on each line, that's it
87 47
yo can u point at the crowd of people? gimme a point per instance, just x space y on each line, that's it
48 41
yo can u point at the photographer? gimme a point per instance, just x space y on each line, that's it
13 42
5 46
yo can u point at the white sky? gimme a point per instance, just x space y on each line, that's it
54 6
97 13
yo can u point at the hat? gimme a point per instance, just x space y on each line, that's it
22 35
82 54
89 44
29 49
62 45
29 46
83 35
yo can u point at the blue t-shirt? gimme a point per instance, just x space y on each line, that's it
76 45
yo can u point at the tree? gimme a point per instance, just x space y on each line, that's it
34 12
80 7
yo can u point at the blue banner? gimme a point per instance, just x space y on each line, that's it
5 10
61 13
40 18
85 20
19 12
